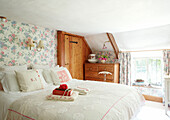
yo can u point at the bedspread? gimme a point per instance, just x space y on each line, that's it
104 101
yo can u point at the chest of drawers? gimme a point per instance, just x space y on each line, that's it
92 72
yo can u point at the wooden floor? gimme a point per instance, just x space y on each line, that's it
153 111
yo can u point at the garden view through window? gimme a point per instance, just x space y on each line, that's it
148 67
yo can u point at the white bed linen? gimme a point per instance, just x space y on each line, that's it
105 101
6 99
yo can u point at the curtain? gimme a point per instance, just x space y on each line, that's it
166 60
125 68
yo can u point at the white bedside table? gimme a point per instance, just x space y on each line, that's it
167 93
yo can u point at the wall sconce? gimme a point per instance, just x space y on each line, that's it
104 44
39 45
2 18
30 43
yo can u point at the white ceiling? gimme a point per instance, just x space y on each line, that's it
145 39
89 16
96 42
136 24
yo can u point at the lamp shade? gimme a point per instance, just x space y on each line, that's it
41 44
2 18
30 43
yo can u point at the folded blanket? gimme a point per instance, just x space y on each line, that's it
63 98
82 91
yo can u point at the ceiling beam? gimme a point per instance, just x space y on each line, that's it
113 43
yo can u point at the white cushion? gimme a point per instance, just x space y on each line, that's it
9 82
1 75
47 76
35 66
61 75
12 68
29 80
40 71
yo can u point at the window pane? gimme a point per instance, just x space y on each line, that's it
148 69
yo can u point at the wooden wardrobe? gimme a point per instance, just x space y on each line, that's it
72 53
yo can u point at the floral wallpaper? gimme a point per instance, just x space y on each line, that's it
110 54
13 44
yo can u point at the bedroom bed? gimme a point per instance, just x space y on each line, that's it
104 101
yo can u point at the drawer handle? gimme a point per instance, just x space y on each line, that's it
89 68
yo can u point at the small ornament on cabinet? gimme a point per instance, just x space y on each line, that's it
92 58
103 58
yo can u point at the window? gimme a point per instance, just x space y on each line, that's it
147 67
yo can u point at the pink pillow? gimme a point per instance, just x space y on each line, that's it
63 76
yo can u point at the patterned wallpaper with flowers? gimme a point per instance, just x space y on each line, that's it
13 44
110 54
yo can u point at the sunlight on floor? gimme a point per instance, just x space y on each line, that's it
153 111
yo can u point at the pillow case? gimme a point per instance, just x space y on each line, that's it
9 82
35 66
29 80
61 75
12 68
1 75
47 76
46 71
40 71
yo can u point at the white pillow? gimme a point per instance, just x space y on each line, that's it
9 82
29 80
61 75
12 68
1 75
35 66
47 76
40 71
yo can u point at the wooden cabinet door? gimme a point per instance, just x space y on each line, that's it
74 56
67 50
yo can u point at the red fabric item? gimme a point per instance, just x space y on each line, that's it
1 88
63 86
58 91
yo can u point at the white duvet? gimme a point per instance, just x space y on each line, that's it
104 101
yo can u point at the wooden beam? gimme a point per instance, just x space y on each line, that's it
113 43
